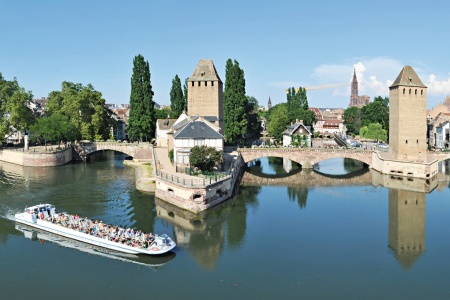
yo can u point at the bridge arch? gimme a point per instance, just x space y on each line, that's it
306 157
142 151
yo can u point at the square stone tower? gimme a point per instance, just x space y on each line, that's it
205 93
407 117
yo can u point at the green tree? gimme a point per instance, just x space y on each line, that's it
377 112
234 103
353 120
55 127
297 103
84 108
142 121
14 111
185 94
278 121
176 97
164 113
205 158
253 119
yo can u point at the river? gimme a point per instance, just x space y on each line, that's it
322 235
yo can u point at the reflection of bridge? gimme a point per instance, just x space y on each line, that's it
307 178
307 157
141 151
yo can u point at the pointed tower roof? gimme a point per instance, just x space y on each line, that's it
408 77
270 102
354 76
205 71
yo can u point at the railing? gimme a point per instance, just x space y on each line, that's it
202 182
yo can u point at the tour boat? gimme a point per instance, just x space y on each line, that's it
154 262
45 217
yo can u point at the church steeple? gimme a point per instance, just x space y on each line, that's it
269 104
354 84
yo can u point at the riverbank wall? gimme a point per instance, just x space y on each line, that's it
144 174
196 194
33 158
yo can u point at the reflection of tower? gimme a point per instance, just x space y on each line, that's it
407 225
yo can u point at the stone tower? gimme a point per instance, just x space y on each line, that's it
407 117
269 104
205 93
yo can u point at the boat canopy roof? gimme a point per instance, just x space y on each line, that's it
40 207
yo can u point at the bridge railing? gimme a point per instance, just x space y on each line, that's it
285 149
192 182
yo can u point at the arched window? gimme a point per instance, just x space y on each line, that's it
410 91
421 92
415 92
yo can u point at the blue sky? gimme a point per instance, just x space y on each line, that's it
278 44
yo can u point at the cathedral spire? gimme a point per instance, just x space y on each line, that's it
354 85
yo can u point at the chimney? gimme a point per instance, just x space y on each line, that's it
301 121
296 120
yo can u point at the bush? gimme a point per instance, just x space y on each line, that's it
205 158
171 155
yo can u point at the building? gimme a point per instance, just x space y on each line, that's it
328 121
442 135
191 131
163 126
433 123
355 99
269 104
119 131
447 103
205 93
297 133
407 154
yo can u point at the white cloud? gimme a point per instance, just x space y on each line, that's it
438 87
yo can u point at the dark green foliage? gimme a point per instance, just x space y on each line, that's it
171 155
377 112
55 127
185 95
253 119
84 108
142 121
278 121
165 113
353 120
177 103
205 158
14 112
297 104
235 104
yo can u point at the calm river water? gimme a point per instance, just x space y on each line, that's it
313 236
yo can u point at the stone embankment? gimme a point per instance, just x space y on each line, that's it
37 156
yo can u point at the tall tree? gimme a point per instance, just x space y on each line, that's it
185 94
353 120
234 103
278 121
142 121
298 108
15 113
377 112
176 97
84 108
253 119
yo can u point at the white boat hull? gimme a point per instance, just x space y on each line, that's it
162 248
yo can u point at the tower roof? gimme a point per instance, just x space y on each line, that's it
408 77
354 76
204 71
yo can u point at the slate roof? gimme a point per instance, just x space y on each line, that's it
408 77
292 128
205 71
197 129
165 124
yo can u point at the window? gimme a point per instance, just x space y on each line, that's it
199 142
407 141
193 84
421 92
415 92
212 83
206 83
410 91
199 83
404 91
417 141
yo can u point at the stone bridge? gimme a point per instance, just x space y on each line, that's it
307 157
307 178
139 151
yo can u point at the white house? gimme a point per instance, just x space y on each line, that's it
297 129
442 135
163 126
190 132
